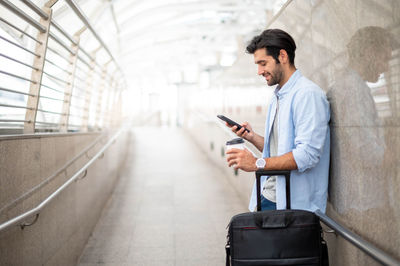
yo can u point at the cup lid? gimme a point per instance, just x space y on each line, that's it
235 141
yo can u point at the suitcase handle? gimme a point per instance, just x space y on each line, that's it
262 172
273 220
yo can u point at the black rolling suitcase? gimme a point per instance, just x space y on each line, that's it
277 237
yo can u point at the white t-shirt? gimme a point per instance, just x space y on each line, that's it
269 189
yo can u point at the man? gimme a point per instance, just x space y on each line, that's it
297 131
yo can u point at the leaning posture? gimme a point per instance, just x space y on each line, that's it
297 131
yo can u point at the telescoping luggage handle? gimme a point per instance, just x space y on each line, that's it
260 173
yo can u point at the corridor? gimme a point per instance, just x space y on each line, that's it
170 206
112 153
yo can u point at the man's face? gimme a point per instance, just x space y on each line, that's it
267 67
378 64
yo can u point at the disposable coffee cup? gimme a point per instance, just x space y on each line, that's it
237 143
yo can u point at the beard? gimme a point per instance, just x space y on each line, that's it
276 76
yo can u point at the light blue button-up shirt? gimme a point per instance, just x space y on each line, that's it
302 129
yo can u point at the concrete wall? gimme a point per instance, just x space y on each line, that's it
359 68
64 225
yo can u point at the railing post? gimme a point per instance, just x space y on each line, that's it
118 106
88 91
51 3
110 101
68 90
37 73
115 106
101 91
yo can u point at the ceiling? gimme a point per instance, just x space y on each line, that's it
172 40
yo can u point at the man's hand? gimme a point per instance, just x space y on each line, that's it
241 159
242 132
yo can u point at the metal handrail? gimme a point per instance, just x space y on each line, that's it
57 66
60 42
19 30
84 61
65 48
49 112
57 53
19 62
15 106
19 46
63 32
46 123
57 81
51 98
17 11
36 9
54 175
16 76
14 120
51 88
86 53
35 211
17 92
85 21
375 253
55 77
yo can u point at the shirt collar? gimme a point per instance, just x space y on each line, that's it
288 85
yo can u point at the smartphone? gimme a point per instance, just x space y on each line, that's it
231 122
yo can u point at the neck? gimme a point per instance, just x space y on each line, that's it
359 69
286 75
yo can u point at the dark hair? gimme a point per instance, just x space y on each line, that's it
370 37
273 40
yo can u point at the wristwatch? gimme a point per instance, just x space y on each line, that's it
260 163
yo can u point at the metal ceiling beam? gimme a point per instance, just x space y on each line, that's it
184 31
199 6
85 20
20 13
175 26
163 4
114 16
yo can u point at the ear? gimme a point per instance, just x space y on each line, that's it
283 56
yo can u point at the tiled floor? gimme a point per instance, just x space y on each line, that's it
171 206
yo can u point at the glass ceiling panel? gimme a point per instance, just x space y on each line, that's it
142 34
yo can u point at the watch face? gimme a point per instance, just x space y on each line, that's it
260 163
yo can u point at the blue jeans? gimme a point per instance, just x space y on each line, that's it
267 204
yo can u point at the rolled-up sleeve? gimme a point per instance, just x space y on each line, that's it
311 117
